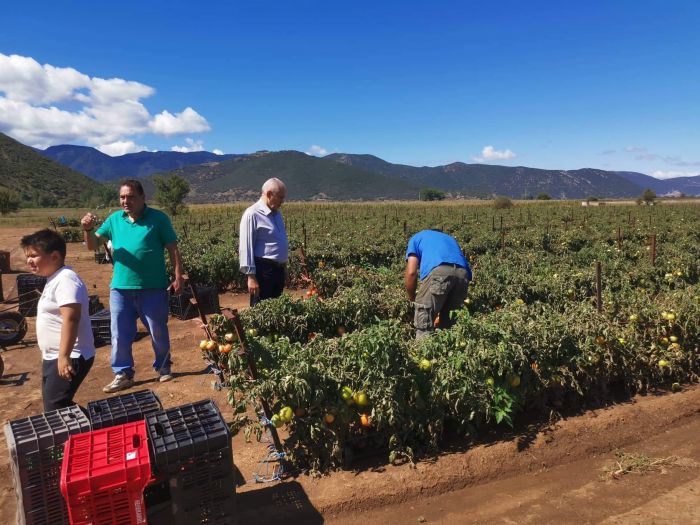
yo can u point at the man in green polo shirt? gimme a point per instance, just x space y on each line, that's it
139 288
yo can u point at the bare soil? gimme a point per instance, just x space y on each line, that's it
549 474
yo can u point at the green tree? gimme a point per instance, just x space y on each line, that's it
649 196
171 192
544 197
9 201
431 194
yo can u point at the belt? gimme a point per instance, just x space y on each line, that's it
453 265
270 262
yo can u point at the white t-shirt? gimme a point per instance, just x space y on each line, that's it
62 288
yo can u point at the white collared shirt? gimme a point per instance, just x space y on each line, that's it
262 234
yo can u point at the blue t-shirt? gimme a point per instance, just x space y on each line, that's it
434 248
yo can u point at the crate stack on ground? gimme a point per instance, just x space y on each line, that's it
104 474
36 452
29 288
101 324
126 408
181 305
191 455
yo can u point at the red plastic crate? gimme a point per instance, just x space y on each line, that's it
104 473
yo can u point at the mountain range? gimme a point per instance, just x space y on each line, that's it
102 167
339 176
224 177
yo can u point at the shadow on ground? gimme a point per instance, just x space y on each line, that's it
279 503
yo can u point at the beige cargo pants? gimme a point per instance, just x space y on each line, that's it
442 291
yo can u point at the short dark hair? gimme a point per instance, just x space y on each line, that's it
134 184
47 241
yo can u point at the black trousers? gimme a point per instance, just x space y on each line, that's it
270 278
58 392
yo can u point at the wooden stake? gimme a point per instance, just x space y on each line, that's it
244 351
598 286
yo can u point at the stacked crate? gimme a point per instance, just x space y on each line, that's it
36 453
94 304
126 408
101 324
181 305
29 288
191 451
104 474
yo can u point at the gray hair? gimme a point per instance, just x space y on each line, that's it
274 185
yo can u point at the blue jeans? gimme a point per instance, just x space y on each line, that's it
151 305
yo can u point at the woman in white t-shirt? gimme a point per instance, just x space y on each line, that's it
63 326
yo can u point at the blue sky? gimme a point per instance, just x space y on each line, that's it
611 85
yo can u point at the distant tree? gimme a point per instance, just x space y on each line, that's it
171 192
592 198
544 197
9 201
47 201
502 202
649 196
431 194
102 196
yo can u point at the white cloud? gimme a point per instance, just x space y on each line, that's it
317 151
672 174
23 79
192 145
43 105
489 154
189 121
217 151
121 147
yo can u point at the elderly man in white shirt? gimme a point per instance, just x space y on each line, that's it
263 250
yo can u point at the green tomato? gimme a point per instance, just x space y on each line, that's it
346 394
276 421
490 381
361 399
425 365
286 414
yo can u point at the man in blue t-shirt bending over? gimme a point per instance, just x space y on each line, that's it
444 278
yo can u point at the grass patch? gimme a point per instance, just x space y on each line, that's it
637 463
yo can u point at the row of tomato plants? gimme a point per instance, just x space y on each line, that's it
483 371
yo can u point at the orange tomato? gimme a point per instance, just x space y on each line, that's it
364 420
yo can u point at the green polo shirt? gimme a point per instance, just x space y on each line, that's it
138 248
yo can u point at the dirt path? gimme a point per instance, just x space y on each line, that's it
577 492
549 476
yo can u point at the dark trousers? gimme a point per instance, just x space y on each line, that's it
56 391
270 278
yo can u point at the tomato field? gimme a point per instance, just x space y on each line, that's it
344 374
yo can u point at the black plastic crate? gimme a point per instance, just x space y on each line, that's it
134 406
35 445
94 304
188 431
29 288
181 305
191 450
101 324
101 258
